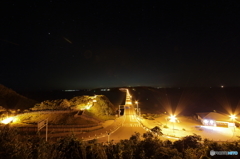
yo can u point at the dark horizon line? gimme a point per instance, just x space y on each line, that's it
146 86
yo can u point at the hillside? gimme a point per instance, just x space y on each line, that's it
53 119
12 100
98 106
116 96
186 101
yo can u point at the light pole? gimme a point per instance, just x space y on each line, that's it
233 117
139 113
108 137
119 111
173 120
137 106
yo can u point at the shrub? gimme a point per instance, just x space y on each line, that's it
151 118
165 126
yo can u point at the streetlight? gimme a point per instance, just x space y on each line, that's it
119 111
139 113
233 117
108 136
173 120
137 106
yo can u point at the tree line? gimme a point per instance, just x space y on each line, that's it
146 146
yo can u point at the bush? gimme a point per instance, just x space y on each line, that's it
157 130
151 118
165 126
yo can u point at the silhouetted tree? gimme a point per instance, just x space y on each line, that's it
157 130
191 141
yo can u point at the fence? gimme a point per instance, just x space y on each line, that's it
63 128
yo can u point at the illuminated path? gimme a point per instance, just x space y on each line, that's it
123 128
128 128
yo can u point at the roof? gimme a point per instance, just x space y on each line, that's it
202 115
214 116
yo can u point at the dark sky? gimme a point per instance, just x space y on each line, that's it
66 45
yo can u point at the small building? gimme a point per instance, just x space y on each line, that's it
215 119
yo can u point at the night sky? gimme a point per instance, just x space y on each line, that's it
66 45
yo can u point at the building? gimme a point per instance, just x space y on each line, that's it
215 119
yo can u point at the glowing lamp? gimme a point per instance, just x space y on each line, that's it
7 120
233 117
173 118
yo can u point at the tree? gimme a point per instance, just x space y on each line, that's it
135 138
148 135
191 141
64 103
157 130
69 147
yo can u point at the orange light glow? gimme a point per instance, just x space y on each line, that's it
233 117
173 118
7 120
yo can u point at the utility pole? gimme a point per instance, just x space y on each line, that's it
108 137
137 107
119 110
43 123
173 127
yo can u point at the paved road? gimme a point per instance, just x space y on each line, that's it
128 128
123 128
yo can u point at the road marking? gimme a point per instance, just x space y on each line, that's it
131 125
133 118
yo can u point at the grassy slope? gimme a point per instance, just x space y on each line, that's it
60 118
103 105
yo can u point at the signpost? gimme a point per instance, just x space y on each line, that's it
108 136
41 125
119 109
